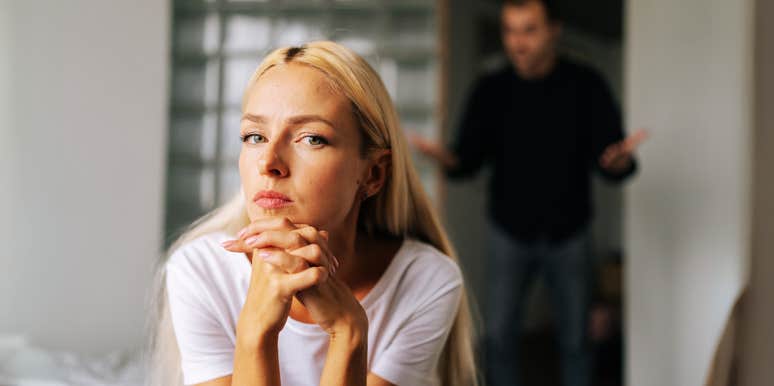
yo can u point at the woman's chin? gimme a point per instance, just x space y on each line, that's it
260 213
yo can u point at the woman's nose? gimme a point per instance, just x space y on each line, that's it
271 164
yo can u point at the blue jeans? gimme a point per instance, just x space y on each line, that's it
513 266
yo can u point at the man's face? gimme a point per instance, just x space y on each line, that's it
529 37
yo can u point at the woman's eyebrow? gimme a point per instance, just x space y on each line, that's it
297 120
254 118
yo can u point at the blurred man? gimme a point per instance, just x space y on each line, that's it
543 123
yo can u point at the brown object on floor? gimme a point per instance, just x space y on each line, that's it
724 368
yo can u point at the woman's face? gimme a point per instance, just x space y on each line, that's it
300 155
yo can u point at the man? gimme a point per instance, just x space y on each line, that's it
543 123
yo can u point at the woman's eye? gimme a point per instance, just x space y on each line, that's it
253 138
315 140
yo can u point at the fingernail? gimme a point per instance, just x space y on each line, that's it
336 260
264 255
227 244
242 233
252 240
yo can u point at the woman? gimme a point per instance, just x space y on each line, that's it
330 267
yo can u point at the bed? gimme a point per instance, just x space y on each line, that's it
23 364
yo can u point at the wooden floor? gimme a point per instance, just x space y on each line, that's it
541 360
541 365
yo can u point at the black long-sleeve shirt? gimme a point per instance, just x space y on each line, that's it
543 138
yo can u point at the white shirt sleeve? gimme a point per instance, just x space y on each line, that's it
206 350
412 357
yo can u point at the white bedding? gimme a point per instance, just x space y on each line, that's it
25 365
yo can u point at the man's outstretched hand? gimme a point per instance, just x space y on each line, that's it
618 157
433 150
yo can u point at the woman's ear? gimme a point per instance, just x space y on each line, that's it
378 170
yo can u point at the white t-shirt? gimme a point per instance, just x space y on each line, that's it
410 312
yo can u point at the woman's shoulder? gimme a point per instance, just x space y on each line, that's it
200 252
419 277
424 263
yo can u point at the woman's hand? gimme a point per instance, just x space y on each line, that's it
271 292
333 306
294 248
266 309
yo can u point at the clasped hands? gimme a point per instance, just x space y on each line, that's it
293 260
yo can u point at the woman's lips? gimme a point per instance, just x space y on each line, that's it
269 199
272 203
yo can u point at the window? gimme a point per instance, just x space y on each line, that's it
217 44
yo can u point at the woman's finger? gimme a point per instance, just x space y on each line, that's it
237 245
305 279
283 234
313 236
284 285
255 227
286 262
277 238
284 239
290 241
265 224
314 255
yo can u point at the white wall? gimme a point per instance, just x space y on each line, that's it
87 135
687 77
7 148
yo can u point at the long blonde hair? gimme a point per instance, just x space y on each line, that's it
401 208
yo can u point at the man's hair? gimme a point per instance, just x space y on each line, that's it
552 11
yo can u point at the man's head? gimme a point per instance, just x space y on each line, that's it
530 29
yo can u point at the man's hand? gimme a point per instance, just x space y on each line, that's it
618 157
434 150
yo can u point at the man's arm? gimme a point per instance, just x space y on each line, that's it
472 146
611 154
618 158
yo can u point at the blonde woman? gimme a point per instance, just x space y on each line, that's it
330 267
